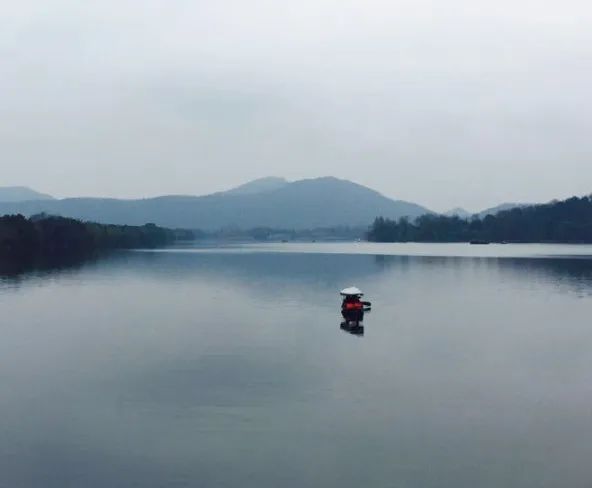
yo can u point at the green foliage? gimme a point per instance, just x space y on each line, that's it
128 236
565 221
51 236
18 238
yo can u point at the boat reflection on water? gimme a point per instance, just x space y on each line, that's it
353 324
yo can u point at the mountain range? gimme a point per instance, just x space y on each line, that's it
268 202
265 202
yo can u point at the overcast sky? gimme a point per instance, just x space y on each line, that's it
444 103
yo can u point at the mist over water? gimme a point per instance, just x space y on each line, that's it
227 367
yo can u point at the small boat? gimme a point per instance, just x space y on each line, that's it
479 242
352 295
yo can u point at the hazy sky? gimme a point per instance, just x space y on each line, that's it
445 103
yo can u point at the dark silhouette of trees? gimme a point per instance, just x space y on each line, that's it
55 237
18 238
559 221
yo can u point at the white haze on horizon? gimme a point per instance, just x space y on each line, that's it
458 103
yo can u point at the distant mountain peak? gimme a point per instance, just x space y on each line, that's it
502 207
332 183
260 185
458 212
21 194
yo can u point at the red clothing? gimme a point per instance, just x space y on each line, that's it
353 305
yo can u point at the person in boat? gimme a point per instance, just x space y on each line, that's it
353 313
352 307
351 303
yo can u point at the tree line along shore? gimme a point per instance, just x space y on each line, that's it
55 237
567 221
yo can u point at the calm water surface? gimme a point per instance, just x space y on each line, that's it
227 367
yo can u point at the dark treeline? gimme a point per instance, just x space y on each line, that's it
55 237
565 221
337 233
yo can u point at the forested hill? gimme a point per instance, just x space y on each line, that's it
559 221
57 237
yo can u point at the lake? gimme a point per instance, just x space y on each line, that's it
227 367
